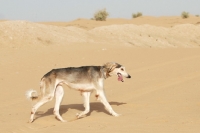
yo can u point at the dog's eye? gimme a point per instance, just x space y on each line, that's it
122 69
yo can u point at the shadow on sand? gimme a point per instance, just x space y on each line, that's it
94 106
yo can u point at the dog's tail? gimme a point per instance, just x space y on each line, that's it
32 95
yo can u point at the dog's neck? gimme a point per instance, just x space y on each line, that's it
103 72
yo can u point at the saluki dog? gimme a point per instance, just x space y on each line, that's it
84 79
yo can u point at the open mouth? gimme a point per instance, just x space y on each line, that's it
120 78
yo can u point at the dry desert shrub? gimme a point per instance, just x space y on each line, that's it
139 14
185 14
101 15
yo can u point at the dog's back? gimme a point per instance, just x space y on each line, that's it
75 74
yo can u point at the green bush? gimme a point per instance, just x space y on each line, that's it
139 14
197 15
185 15
101 15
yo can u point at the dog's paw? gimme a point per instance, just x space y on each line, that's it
30 121
60 119
115 114
63 120
78 115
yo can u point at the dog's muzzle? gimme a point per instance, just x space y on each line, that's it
129 76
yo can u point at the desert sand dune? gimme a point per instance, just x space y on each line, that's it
163 21
184 35
161 97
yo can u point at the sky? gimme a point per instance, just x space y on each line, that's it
69 10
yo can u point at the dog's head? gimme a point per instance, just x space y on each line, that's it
112 68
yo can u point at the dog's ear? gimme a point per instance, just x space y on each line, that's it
112 65
109 67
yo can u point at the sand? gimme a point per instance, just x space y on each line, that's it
161 54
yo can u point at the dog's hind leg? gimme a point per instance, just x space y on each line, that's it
59 95
45 97
86 98
38 104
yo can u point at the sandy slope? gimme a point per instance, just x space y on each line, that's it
122 33
162 95
155 21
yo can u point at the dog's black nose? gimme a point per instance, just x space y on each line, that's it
129 76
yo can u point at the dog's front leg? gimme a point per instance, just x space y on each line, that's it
102 98
86 98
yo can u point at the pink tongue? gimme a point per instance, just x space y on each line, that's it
120 78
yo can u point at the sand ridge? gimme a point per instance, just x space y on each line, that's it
145 35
